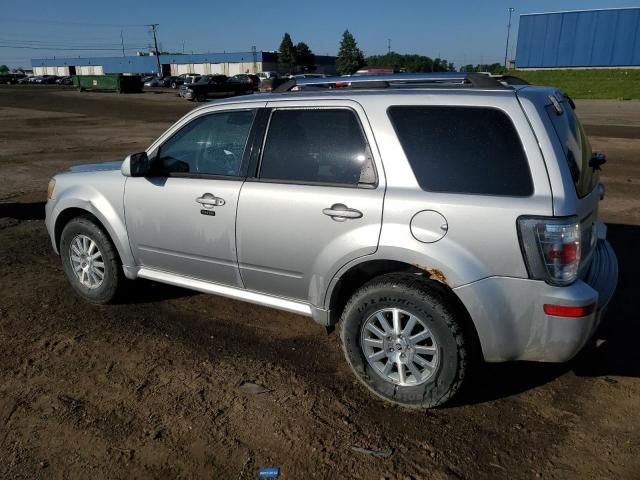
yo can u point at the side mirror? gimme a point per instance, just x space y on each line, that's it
136 165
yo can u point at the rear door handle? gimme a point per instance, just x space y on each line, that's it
340 212
209 199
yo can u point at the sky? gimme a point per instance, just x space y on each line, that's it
464 31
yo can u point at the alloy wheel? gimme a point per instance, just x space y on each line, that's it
399 347
87 261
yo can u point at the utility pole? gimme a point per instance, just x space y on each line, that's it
388 46
154 28
254 53
506 49
183 47
122 41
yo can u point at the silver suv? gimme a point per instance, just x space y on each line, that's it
440 220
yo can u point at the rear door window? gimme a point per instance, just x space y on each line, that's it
473 150
317 146
576 146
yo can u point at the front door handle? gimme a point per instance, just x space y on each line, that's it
210 200
340 212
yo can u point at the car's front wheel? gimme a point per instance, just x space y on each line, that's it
90 260
405 340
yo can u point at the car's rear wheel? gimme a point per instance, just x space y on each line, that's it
405 340
201 97
90 261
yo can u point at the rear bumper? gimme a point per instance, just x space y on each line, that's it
509 312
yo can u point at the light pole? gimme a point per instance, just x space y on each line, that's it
506 49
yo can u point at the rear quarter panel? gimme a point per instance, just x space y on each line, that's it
482 238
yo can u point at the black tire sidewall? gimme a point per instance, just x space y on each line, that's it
107 290
438 319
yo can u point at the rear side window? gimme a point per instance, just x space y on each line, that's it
473 150
324 146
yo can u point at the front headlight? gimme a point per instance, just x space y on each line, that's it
51 188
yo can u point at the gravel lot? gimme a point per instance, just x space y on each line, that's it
155 386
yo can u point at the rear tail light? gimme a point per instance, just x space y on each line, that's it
551 248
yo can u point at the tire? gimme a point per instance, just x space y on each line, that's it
200 97
78 229
436 318
174 85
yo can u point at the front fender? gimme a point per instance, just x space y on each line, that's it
108 210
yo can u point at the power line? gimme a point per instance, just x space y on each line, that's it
58 22
70 49
55 46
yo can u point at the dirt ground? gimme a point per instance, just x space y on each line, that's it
155 386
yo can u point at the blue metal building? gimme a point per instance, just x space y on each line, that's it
585 38
200 63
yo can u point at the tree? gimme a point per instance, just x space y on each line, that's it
4 69
409 63
494 68
350 57
305 59
287 54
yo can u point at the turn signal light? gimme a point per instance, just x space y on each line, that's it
50 188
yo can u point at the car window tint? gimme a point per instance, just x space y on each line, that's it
472 150
212 144
318 146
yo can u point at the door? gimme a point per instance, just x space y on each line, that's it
182 221
315 204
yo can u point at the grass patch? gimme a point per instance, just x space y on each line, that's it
619 84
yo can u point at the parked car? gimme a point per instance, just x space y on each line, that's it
438 227
307 75
254 80
168 80
68 80
269 84
154 82
208 85
43 79
184 78
11 78
267 74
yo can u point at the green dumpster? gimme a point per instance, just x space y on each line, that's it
113 82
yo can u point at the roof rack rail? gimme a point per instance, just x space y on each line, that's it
405 80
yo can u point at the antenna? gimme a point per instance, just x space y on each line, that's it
122 41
